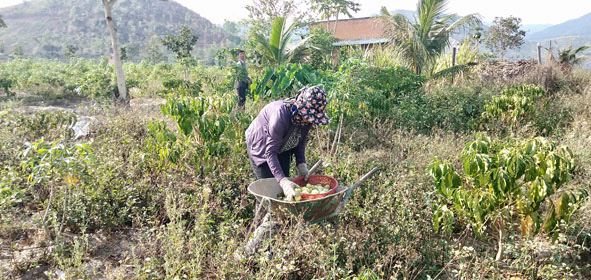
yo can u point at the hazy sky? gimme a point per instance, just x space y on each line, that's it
530 11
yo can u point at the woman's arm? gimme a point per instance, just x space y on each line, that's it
275 132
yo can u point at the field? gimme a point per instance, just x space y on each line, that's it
157 190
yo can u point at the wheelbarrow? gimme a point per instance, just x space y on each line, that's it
312 211
267 191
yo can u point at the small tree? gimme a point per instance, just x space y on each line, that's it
330 8
2 23
18 51
70 51
153 50
181 46
322 48
123 52
505 34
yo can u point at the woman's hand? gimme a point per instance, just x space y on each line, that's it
288 188
303 171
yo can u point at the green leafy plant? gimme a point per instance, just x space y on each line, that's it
164 143
182 87
58 165
514 105
285 80
237 73
321 43
359 90
6 84
201 121
275 48
569 57
503 182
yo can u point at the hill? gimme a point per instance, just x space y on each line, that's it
575 32
533 28
575 27
45 27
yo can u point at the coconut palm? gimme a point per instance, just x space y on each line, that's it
422 41
275 49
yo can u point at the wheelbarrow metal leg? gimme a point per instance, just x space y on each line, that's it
267 227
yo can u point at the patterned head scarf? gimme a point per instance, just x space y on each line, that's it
309 105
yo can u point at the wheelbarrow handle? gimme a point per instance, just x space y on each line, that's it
361 181
315 167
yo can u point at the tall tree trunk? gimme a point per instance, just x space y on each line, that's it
123 98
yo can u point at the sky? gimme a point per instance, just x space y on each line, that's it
530 11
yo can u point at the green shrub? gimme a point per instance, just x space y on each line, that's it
552 116
6 84
284 81
455 108
515 105
358 90
503 181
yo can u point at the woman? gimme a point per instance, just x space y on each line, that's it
280 131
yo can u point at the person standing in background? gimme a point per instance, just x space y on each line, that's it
242 81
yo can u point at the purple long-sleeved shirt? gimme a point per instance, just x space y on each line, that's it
268 132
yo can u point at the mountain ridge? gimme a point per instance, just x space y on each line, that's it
580 26
45 27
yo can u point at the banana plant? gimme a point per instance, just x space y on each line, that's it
505 182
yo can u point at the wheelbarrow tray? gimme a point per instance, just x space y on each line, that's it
312 210
266 192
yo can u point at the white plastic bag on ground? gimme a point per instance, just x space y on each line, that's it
82 126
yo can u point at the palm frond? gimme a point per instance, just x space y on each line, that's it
298 51
267 50
428 13
466 21
276 31
453 71
285 40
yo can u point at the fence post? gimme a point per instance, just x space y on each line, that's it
539 53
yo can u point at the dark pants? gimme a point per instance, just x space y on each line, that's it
263 171
241 96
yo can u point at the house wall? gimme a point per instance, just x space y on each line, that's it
354 29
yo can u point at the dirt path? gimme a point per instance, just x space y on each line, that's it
79 105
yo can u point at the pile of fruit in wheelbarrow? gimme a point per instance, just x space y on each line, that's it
308 190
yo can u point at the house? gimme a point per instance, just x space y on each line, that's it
366 32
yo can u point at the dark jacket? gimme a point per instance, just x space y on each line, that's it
267 134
